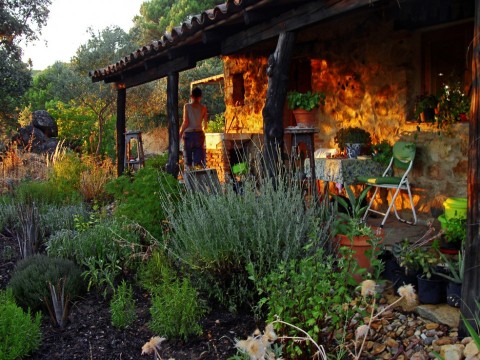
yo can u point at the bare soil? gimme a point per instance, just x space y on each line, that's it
90 335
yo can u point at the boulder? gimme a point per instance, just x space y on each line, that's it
42 120
30 138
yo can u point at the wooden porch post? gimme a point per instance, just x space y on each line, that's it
173 124
277 71
121 125
471 283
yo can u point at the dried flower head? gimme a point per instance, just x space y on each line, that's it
270 333
153 345
253 346
361 332
408 293
368 288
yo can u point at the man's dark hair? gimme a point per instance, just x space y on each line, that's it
196 92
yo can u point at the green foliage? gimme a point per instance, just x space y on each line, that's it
456 230
157 16
217 236
158 161
103 247
19 333
138 197
455 267
309 293
31 276
452 103
59 190
350 222
417 258
351 135
65 176
217 125
424 102
176 308
55 83
122 306
306 101
382 153
151 272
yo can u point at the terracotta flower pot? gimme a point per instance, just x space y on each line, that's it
304 118
359 246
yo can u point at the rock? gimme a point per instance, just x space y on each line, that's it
471 349
419 355
30 138
443 341
391 343
441 313
431 326
430 333
378 348
452 352
42 120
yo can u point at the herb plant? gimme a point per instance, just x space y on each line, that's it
352 135
306 101
122 306
20 334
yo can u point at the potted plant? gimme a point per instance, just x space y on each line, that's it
454 235
453 105
351 231
303 104
455 267
382 152
423 259
425 107
353 140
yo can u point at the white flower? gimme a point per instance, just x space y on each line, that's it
408 293
153 345
368 288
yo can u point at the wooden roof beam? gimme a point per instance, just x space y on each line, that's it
292 20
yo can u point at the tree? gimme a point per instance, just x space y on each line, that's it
19 19
57 83
104 47
158 16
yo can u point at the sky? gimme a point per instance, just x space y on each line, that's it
67 26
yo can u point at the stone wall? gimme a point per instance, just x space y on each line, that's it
370 79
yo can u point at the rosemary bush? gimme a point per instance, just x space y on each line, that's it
29 282
19 333
217 236
122 306
176 309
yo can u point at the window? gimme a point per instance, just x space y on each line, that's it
447 58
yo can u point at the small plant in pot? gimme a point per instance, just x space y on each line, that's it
425 108
423 260
455 267
353 140
351 231
303 104
453 105
454 235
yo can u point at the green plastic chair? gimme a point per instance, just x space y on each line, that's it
402 159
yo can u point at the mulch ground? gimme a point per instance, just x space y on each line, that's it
90 335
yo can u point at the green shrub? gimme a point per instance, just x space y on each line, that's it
218 236
157 162
176 309
29 282
45 192
122 306
150 272
54 218
19 333
66 172
138 197
311 294
8 215
103 247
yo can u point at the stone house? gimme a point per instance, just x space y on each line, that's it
371 58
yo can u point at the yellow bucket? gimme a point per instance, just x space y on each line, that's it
455 208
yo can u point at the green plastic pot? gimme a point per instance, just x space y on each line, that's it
455 207
443 222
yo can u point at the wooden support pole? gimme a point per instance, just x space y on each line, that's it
471 282
277 71
121 125
173 124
